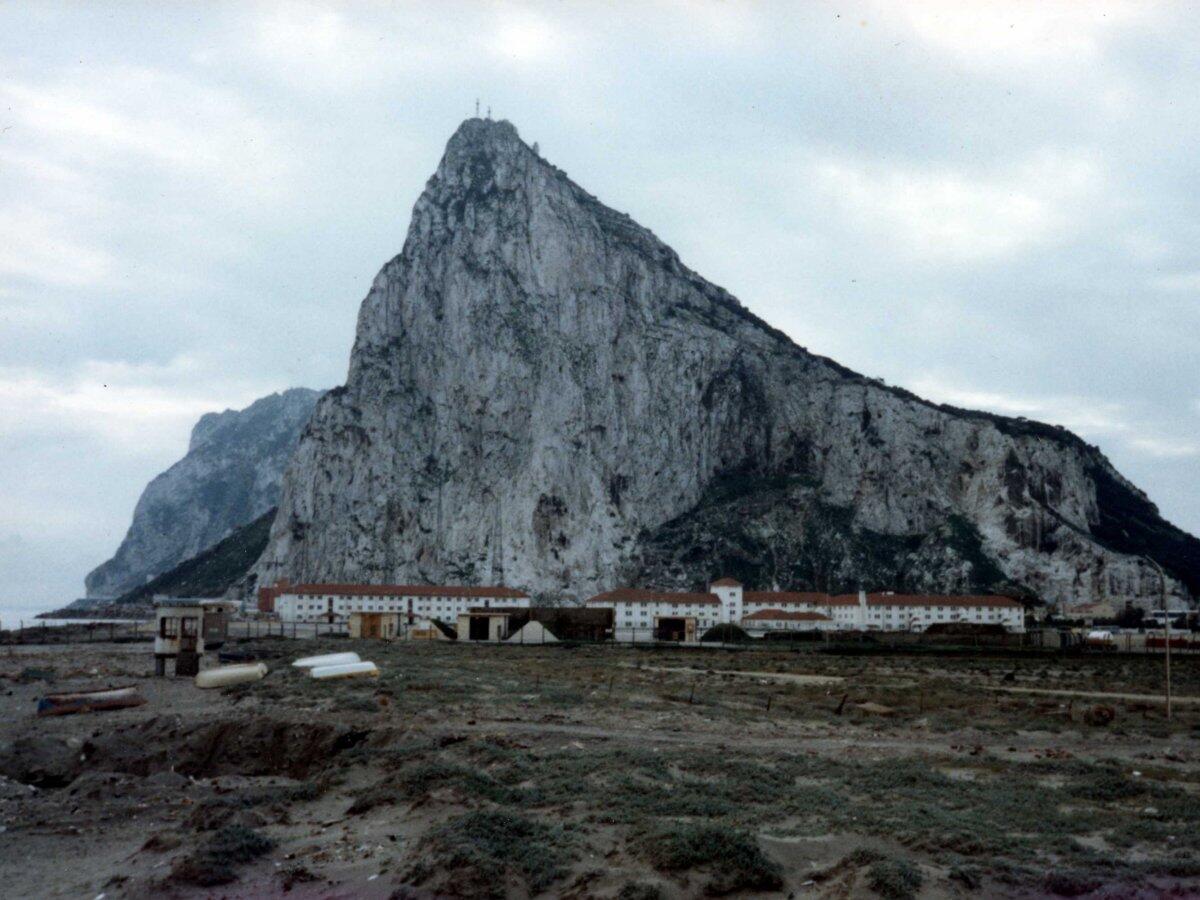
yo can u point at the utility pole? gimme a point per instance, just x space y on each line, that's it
1162 586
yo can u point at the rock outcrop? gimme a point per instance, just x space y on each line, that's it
541 394
230 476
212 572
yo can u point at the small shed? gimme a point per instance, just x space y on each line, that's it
482 624
184 627
377 625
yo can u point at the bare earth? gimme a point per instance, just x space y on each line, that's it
476 770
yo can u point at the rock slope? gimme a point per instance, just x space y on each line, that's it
212 572
541 394
230 476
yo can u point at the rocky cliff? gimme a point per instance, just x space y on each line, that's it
541 394
230 476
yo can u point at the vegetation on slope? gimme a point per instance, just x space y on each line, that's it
767 530
215 570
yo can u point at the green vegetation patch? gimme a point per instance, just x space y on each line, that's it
896 879
733 856
213 571
217 860
482 850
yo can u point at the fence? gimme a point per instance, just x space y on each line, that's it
851 642
131 631
259 628
77 632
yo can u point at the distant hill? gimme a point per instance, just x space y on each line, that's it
229 477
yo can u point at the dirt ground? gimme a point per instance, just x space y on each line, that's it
482 770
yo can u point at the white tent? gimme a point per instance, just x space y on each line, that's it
532 633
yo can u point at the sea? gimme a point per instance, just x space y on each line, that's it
16 615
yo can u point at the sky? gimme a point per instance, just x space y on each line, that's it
994 205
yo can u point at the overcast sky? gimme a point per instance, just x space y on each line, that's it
992 205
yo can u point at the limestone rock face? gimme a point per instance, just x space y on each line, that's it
230 476
541 394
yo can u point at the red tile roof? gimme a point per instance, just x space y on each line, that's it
789 615
843 600
402 590
932 600
725 582
805 598
786 598
634 595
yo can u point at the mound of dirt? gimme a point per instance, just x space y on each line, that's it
162 747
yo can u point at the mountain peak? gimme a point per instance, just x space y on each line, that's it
485 131
479 144
541 393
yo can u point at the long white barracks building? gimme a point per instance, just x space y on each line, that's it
682 616
335 602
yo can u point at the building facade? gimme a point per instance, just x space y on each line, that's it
336 602
769 621
660 615
663 615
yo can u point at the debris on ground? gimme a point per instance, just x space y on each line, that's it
1099 715
89 701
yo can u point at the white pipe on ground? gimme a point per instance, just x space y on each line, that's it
328 659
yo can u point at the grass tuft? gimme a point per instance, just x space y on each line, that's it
734 857
483 847
896 879
216 862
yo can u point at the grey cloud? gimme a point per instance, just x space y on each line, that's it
217 189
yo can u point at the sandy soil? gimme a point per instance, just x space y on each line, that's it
634 773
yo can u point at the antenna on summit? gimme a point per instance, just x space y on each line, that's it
489 114
477 107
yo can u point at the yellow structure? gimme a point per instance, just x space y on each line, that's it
378 625
430 630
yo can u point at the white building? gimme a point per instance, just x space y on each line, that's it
916 612
766 621
335 602
665 615
661 615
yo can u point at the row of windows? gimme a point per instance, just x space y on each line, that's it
393 598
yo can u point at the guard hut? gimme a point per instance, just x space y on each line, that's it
215 628
184 628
